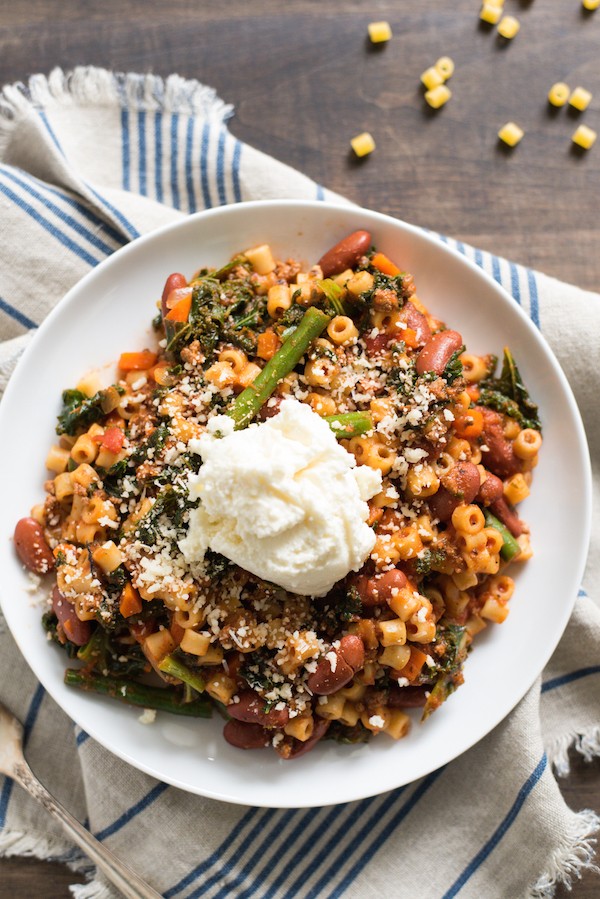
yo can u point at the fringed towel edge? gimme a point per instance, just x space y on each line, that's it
586 744
573 856
89 86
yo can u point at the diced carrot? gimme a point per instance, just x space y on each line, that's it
267 344
473 392
409 336
385 265
137 361
413 667
181 310
130 602
469 424
113 439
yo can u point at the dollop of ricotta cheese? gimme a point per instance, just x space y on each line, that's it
282 499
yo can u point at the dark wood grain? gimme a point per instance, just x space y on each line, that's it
304 81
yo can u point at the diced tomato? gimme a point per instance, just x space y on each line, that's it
113 440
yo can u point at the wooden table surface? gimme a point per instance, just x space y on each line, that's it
304 80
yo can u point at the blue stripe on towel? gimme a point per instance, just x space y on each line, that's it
189 179
132 812
142 174
204 145
64 217
215 856
221 169
533 298
117 214
18 316
125 149
174 161
235 173
48 226
568 678
500 831
158 156
378 842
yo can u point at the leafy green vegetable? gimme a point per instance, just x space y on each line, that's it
216 565
429 561
172 503
454 368
152 445
80 411
350 607
342 734
292 316
112 479
453 639
333 293
508 394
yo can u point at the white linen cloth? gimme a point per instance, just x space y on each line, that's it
88 161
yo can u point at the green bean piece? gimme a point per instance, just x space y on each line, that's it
138 694
510 547
349 424
249 402
176 668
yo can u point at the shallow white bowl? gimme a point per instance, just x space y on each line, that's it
109 311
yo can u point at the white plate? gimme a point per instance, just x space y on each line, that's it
109 311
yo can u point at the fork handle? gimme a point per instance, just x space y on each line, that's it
127 881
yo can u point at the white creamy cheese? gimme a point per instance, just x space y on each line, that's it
283 500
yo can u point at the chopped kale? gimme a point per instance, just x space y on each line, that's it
454 368
216 565
151 446
452 639
350 607
80 411
429 561
292 316
509 395
170 502
254 671
343 734
112 479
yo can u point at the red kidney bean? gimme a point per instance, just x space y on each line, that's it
32 547
270 408
417 321
507 516
491 490
500 456
345 254
251 710
320 729
378 590
378 344
436 353
324 681
459 485
173 282
407 697
246 736
352 650
78 632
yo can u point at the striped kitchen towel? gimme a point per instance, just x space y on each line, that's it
88 161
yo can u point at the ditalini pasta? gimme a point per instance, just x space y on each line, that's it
449 443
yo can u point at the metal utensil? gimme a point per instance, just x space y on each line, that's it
13 764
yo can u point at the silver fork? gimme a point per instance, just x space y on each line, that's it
13 764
